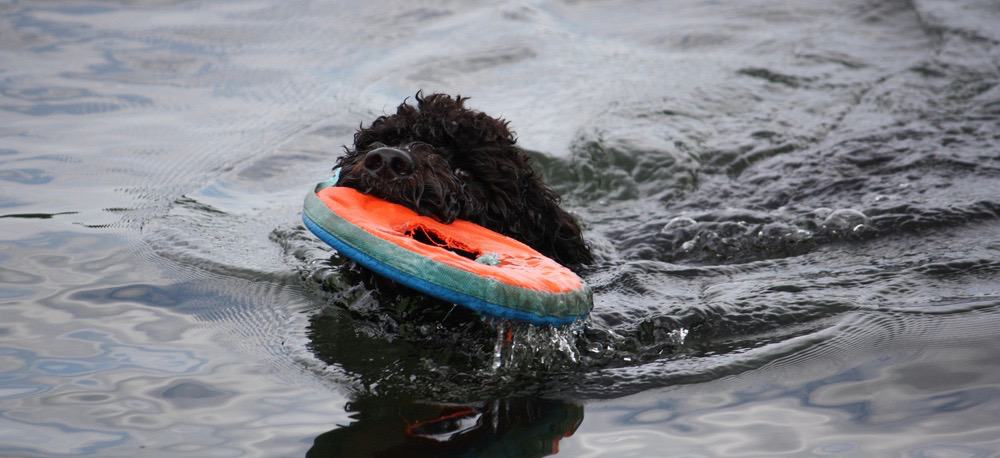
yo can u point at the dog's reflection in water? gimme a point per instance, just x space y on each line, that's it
518 427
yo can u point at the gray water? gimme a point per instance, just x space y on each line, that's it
794 207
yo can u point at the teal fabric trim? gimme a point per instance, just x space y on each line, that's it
484 295
332 181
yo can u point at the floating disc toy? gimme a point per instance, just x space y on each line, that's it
461 262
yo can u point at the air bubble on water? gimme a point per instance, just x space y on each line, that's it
689 245
844 219
677 223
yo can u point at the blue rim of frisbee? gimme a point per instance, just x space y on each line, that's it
561 305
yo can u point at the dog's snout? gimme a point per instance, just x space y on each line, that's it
390 162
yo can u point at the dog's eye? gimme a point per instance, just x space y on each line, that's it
462 174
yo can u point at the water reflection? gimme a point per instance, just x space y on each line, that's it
518 427
403 350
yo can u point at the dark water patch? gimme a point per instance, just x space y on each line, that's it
55 100
196 206
17 277
192 394
906 218
48 109
960 267
40 93
609 173
775 77
68 243
47 101
29 176
37 215
150 295
735 167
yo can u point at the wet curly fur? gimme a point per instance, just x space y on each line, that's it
465 166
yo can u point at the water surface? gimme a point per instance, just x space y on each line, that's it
794 207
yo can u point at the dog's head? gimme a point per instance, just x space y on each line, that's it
449 162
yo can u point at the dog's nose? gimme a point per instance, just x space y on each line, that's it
390 161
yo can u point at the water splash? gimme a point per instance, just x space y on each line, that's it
525 347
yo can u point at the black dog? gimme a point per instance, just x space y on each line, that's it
449 162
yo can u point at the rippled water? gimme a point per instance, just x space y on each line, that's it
794 206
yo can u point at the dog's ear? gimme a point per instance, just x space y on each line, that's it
570 247
559 235
507 195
